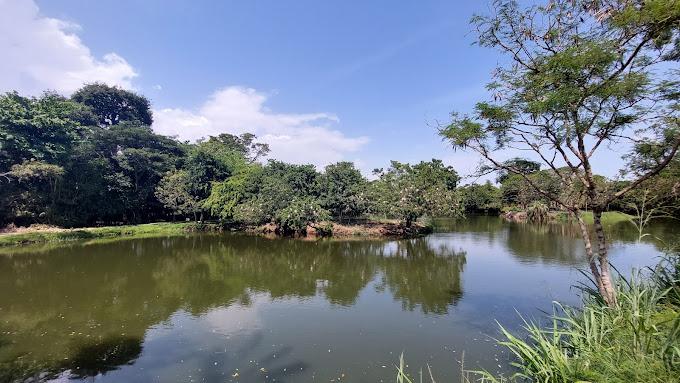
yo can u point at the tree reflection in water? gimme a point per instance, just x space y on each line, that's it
75 301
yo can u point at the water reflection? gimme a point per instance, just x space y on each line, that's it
95 303
233 307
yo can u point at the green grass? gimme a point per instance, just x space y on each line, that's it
636 341
608 217
144 230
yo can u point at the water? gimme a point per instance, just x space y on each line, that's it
221 308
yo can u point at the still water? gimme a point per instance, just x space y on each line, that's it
221 308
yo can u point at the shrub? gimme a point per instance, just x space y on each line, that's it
299 214
538 212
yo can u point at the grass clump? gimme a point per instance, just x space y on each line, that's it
636 341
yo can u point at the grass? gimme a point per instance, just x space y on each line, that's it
637 341
144 230
608 217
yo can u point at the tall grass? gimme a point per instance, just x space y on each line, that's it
637 341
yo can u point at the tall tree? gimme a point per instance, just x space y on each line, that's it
42 129
343 190
173 191
582 75
409 191
520 164
113 105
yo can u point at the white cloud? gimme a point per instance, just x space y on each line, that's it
297 138
45 53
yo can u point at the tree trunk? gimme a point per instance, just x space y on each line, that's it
608 292
601 274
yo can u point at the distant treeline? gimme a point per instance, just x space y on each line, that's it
658 196
93 159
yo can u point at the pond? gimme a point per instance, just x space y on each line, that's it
231 307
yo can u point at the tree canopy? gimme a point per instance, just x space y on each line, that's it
582 76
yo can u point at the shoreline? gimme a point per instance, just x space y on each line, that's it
608 217
44 234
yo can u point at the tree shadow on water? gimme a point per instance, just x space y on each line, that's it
103 356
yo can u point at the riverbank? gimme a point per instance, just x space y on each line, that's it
608 217
50 234
367 229
45 234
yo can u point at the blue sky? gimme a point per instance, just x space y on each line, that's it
320 80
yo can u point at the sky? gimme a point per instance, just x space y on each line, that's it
320 81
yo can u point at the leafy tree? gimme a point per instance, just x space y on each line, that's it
522 165
244 146
226 197
581 76
42 129
173 191
136 159
203 168
409 192
113 105
300 213
343 190
481 198
31 191
516 190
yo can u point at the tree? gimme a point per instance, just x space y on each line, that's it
41 129
522 165
481 198
31 189
648 206
173 191
113 105
582 75
300 213
244 145
516 191
343 190
136 159
409 192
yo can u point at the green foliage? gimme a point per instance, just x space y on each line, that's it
93 159
226 196
42 129
538 212
138 231
299 214
174 192
343 190
408 192
517 190
30 191
518 166
113 105
481 198
580 76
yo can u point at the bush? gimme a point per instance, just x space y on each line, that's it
538 212
301 212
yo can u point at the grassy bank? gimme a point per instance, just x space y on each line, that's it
637 341
62 235
608 217
367 229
